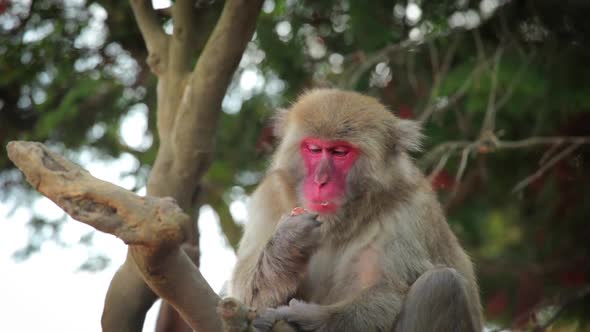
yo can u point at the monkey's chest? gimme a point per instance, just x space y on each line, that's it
333 277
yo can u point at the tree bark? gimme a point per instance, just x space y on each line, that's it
189 102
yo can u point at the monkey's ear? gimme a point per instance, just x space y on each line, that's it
407 135
279 122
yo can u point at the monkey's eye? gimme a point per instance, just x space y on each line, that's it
340 151
314 148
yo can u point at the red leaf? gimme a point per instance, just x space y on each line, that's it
442 180
497 304
405 112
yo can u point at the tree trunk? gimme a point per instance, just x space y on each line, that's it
189 102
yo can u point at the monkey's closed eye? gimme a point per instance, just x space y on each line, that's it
340 151
314 148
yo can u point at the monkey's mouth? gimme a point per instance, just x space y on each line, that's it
322 206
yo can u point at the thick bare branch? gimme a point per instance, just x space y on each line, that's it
196 121
154 227
187 121
100 204
192 27
154 36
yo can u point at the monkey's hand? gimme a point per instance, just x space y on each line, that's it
296 238
304 316
283 262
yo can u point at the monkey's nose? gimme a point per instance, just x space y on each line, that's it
321 179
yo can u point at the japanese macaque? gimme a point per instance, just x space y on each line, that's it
372 250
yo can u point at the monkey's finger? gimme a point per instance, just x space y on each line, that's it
266 319
308 215
298 210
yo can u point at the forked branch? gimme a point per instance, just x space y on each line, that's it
155 228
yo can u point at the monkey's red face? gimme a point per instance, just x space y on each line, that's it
327 164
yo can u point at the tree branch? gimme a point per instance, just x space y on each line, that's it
561 302
154 36
192 27
522 184
432 107
489 122
196 121
489 144
383 55
154 227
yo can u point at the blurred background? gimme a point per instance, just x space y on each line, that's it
501 87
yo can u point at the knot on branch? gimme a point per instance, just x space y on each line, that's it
99 215
236 317
156 63
51 163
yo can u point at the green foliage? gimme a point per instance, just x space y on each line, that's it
528 246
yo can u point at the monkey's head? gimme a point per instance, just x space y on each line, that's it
341 146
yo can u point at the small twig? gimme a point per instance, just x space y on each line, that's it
434 61
463 164
481 54
490 116
562 302
383 55
533 141
441 164
439 71
461 170
410 64
452 146
446 64
522 184
549 153
517 79
441 149
432 107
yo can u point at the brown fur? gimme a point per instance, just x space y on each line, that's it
390 232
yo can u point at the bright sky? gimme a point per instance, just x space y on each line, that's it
47 293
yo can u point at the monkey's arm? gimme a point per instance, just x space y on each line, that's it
274 277
374 309
271 258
